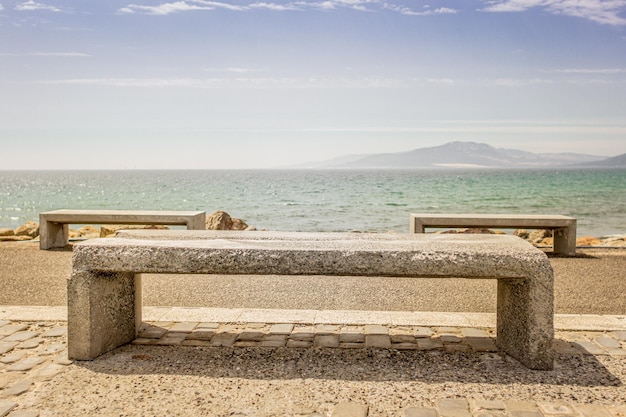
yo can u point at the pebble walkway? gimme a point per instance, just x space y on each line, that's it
33 353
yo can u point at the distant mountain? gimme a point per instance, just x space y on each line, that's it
459 155
613 162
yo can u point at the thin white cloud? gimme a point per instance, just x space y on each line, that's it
61 54
274 6
427 12
164 9
1 7
32 5
607 71
609 12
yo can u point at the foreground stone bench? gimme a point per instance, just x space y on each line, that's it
54 225
563 227
104 289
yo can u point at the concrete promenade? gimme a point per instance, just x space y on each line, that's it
35 375
339 348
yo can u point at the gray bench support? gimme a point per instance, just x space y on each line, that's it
563 227
104 306
54 225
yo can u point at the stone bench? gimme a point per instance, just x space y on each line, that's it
563 227
54 225
104 289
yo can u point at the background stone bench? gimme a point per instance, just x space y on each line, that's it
563 227
54 225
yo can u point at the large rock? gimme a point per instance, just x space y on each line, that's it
30 229
220 220
6 232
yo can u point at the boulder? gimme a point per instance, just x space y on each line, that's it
88 231
28 229
588 241
537 236
220 220
6 232
110 230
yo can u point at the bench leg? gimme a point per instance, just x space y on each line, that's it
564 241
103 312
53 235
198 222
525 322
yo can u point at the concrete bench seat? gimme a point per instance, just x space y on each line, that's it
563 227
54 225
104 289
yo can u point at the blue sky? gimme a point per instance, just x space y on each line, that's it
251 84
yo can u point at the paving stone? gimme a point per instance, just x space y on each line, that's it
224 339
447 330
474 332
482 344
9 329
299 343
171 339
449 338
6 407
429 344
18 388
53 349
453 408
183 327
6 347
350 409
616 352
326 329
423 332
303 333
404 346
555 409
201 334
152 332
30 344
593 410
457 347
13 357
55 332
607 342
326 341
349 345
378 341
491 405
281 328
208 325
565 348
279 341
420 412
402 338
351 334
588 348
619 335
63 360
522 409
375 330
251 335
26 364
494 413
20 336
49 371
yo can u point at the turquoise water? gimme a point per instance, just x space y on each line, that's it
326 200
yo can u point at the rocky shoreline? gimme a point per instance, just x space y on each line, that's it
220 220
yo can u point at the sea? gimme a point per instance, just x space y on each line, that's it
326 200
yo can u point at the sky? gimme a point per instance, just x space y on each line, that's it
196 84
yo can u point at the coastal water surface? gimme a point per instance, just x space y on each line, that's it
326 200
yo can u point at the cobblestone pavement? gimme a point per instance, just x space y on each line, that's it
33 353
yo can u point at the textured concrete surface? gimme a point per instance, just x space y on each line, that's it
104 267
